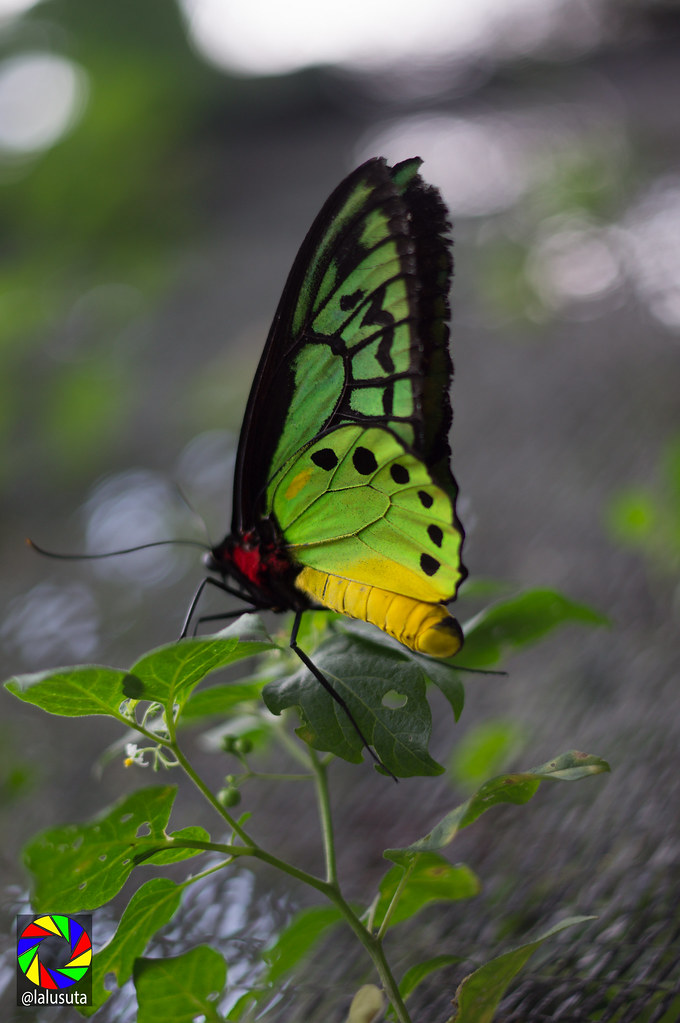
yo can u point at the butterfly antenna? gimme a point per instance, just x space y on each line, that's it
114 554
195 514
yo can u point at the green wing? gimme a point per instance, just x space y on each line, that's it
358 504
357 361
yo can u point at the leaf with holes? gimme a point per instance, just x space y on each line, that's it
384 692
79 867
440 673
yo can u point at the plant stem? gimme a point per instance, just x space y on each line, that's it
374 948
212 799
389 983
323 800
328 887
394 900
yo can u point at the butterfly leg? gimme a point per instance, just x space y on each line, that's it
223 616
318 675
196 598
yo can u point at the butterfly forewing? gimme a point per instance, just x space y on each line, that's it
360 334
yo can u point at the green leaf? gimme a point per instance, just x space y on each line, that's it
417 974
298 938
221 699
508 788
166 675
431 878
79 867
444 677
149 909
178 989
73 692
194 833
169 673
363 677
479 994
518 622
441 673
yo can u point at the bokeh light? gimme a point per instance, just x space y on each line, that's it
52 622
41 98
132 508
480 164
652 229
268 37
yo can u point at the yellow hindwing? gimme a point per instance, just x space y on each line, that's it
423 627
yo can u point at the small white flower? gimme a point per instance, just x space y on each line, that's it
134 755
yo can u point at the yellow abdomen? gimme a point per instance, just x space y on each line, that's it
422 627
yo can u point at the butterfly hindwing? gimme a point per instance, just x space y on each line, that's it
358 504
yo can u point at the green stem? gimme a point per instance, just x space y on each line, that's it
275 776
210 796
329 887
374 948
394 900
235 851
323 800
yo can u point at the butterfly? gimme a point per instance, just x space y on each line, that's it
343 492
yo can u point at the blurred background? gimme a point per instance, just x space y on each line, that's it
160 163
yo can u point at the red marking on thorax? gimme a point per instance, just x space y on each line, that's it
249 562
259 561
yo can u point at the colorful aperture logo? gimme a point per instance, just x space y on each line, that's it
50 977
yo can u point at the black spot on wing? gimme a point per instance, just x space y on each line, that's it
435 534
325 458
429 565
427 500
364 461
399 473
348 302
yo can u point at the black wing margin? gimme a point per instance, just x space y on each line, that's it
418 223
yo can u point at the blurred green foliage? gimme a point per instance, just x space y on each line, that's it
107 206
18 775
586 185
647 518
